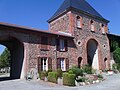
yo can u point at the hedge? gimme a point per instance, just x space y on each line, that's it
52 77
68 79
77 71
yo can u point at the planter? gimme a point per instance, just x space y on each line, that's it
110 72
45 79
60 81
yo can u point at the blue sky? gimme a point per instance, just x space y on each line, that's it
35 13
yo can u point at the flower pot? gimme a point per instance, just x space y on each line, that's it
60 81
110 72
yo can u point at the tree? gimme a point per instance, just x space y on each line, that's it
5 58
114 45
116 55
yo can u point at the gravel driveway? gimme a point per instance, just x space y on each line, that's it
111 83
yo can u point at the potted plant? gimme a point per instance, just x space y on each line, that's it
110 72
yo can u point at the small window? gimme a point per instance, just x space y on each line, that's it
44 64
92 25
61 45
103 28
79 22
61 64
44 43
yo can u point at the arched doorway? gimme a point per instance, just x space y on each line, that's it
79 62
92 54
16 49
105 63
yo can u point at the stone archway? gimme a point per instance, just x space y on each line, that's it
92 54
16 49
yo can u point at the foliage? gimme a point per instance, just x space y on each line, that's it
5 58
68 79
116 55
70 72
87 69
77 71
42 75
114 67
100 76
52 77
114 45
59 73
82 79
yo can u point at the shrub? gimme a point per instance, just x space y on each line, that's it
100 76
52 77
68 79
82 79
59 73
42 75
70 72
87 69
77 71
116 55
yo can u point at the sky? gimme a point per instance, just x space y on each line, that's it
35 13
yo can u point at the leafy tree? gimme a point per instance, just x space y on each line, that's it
116 55
5 58
114 45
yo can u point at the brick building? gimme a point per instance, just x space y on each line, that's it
77 36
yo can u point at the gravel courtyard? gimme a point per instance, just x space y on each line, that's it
111 83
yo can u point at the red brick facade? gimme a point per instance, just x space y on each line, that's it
44 44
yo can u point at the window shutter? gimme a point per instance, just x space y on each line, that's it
39 65
58 64
58 44
66 45
67 63
50 63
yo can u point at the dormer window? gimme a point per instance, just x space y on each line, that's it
79 22
92 25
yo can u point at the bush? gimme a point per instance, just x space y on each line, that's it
68 79
87 69
77 71
82 79
116 55
100 76
59 73
42 75
70 72
52 77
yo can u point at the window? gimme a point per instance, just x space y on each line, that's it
79 22
61 45
44 43
103 28
61 63
92 25
44 64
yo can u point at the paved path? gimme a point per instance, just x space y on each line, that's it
111 83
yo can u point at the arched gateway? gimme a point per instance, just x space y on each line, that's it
92 54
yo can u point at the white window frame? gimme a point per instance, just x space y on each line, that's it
62 45
92 27
78 22
103 28
62 64
44 67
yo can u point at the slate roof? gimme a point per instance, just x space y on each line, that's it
81 5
